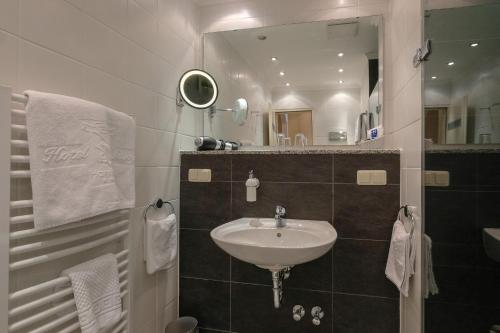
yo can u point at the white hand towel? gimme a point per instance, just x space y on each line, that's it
160 243
400 261
430 285
82 158
97 293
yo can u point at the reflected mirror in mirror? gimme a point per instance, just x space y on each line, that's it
462 76
198 89
313 83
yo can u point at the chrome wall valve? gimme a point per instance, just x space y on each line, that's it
317 313
298 312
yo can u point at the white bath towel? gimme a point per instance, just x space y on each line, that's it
81 158
401 258
160 243
97 293
430 285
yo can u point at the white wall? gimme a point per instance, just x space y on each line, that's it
403 126
332 109
235 79
128 55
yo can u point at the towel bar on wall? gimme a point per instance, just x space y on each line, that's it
34 258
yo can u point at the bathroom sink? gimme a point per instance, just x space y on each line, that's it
491 241
258 241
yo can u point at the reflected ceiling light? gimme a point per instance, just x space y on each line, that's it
341 70
340 54
282 73
451 63
341 81
434 77
274 59
474 44
288 84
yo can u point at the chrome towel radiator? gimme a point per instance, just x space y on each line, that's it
35 298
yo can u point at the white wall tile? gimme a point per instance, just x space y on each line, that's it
154 182
143 26
156 148
8 56
64 34
44 70
114 53
113 13
9 15
105 89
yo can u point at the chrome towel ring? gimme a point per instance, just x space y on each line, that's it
157 204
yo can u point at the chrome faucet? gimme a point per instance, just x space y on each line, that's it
280 213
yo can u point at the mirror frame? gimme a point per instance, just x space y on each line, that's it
185 98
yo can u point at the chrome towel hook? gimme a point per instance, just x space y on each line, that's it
157 204
408 214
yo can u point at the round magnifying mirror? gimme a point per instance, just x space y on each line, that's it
198 89
240 111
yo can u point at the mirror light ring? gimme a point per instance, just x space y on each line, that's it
186 76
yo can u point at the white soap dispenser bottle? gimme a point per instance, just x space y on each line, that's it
252 184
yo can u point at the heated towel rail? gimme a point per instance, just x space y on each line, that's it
35 298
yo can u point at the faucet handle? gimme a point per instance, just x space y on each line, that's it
280 211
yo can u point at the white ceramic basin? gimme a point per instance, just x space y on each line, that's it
491 241
259 242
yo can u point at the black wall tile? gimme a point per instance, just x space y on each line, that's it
359 268
450 216
303 184
204 205
451 282
202 258
252 310
488 175
345 166
356 314
462 168
312 201
315 275
207 301
248 273
488 212
458 318
366 212
453 254
219 164
284 168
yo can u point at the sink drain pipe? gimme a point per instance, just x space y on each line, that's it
278 277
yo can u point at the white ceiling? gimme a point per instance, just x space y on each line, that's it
212 2
305 54
452 30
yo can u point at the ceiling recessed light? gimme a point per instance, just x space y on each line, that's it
261 37
341 81
340 54
282 73
288 84
274 58
341 70
434 77
451 63
474 44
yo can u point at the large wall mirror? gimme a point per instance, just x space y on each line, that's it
462 175
462 81
316 83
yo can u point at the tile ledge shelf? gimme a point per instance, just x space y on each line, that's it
308 150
